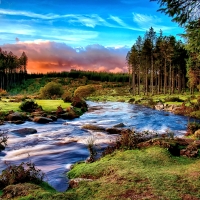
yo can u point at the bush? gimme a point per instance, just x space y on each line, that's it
84 91
51 90
3 140
173 99
79 103
25 172
29 106
3 92
67 96
192 127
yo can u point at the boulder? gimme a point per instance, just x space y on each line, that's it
54 118
68 115
25 131
14 117
42 120
114 130
120 125
93 127
159 106
17 122
2 147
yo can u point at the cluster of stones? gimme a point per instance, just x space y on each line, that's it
166 107
39 116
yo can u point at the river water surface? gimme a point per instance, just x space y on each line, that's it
58 145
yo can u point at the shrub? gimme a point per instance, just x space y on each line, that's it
67 96
51 90
3 140
84 91
92 149
192 127
79 103
197 134
3 92
29 106
25 172
131 100
173 99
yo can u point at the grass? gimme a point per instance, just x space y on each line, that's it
150 173
139 174
47 105
6 106
51 105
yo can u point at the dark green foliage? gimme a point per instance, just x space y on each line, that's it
51 90
173 99
181 11
192 127
12 69
90 75
25 172
29 106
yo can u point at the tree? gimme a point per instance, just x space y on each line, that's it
181 11
132 62
139 51
187 14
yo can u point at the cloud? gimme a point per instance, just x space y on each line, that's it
53 56
147 21
86 20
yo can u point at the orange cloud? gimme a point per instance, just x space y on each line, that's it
51 56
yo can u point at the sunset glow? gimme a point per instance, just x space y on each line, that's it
87 35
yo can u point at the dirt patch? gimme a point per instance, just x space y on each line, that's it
133 195
18 190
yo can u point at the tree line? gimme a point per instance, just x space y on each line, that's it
187 14
157 64
12 69
90 75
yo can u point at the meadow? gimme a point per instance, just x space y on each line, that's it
147 173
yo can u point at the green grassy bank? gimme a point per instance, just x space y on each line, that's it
151 173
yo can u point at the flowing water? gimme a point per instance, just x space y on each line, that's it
58 145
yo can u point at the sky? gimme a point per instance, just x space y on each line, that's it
95 35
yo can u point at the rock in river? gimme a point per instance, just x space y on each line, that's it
42 120
25 131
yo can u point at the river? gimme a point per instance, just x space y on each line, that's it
58 145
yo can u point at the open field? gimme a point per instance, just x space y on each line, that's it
47 105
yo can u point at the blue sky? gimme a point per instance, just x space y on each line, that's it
78 27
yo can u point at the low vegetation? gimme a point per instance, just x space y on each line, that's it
51 90
25 172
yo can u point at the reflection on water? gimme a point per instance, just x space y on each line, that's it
56 146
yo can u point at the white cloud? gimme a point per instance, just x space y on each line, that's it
118 20
147 21
53 56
